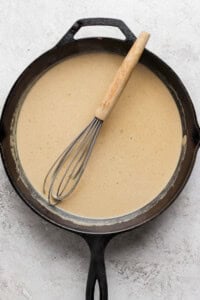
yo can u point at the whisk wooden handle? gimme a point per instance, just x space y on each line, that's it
122 76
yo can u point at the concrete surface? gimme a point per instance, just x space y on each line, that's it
160 260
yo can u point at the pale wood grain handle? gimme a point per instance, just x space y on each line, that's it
121 78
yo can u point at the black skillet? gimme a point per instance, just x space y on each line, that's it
97 233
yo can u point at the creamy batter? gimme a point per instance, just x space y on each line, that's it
137 150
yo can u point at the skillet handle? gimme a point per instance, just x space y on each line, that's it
97 270
69 36
196 135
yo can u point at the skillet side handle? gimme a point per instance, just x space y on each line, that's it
97 270
2 132
198 137
69 36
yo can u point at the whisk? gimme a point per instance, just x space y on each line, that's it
65 173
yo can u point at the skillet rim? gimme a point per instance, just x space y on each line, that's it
150 60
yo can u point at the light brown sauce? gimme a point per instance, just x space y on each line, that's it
138 147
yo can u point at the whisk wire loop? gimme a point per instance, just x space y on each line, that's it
65 173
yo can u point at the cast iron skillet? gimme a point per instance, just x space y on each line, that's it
98 232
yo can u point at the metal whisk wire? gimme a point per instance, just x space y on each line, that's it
73 161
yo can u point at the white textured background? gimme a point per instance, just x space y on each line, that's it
160 260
